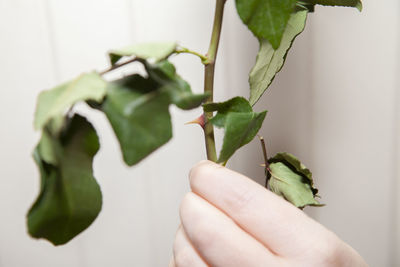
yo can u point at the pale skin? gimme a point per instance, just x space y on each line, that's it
228 220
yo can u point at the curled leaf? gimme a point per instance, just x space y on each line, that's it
138 113
289 178
53 103
147 51
239 121
138 108
270 61
70 198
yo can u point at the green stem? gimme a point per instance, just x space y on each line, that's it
209 78
184 50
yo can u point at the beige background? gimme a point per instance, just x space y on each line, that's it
335 105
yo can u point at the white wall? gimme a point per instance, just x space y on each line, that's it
335 105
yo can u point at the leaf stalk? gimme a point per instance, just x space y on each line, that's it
118 65
184 50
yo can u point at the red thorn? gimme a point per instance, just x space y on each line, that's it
200 121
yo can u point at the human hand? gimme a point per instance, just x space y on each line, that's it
229 220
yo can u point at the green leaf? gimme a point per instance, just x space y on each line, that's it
154 51
239 121
267 19
138 108
139 115
240 129
289 178
349 3
164 73
236 104
270 61
70 198
53 103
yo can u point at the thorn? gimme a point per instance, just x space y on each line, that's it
200 121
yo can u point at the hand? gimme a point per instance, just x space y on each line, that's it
229 220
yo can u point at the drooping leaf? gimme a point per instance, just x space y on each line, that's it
270 61
164 73
154 51
53 103
267 19
240 129
348 3
236 104
70 198
139 115
295 163
239 121
138 108
289 178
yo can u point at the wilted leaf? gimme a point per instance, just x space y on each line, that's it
138 108
289 178
53 103
154 51
70 198
239 121
240 129
139 115
270 61
181 94
349 3
236 104
267 19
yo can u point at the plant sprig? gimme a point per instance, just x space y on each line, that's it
137 108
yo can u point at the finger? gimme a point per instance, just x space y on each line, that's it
218 240
184 253
276 223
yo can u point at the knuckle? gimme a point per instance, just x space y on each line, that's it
241 201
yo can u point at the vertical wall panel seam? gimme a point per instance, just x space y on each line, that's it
395 199
130 9
52 41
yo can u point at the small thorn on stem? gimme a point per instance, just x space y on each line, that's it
200 121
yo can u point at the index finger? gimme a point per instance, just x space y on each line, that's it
267 217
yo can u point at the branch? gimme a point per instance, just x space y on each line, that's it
209 78
116 66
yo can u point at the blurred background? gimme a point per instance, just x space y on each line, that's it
335 105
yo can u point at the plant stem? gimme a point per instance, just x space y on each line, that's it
264 149
209 78
116 66
267 168
184 50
